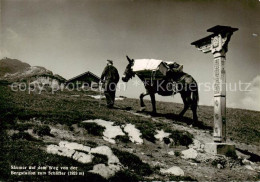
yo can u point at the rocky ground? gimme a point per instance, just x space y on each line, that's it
115 145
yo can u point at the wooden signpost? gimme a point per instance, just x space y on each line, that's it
217 44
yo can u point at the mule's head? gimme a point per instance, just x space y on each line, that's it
128 74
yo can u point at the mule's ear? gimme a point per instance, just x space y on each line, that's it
128 58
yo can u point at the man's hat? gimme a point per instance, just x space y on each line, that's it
110 61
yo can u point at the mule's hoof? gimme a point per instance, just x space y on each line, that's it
154 114
142 109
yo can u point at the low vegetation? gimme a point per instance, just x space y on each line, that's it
20 111
42 130
93 128
133 162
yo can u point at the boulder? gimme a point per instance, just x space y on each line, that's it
189 154
175 170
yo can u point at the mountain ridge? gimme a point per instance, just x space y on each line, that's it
16 70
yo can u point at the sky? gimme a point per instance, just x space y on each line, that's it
70 37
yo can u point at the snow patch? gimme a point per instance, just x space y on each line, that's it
102 96
175 170
133 133
110 132
161 134
97 96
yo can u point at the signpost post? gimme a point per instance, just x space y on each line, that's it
217 44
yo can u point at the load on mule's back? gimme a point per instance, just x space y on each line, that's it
164 78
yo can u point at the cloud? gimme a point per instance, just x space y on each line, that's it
251 99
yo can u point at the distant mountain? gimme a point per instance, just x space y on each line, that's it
16 70
8 65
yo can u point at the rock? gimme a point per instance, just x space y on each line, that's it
68 149
219 166
171 153
82 157
193 164
197 145
105 171
157 163
249 167
74 146
55 149
247 162
175 170
66 152
189 154
241 155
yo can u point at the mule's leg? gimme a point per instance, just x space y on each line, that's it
194 111
152 95
142 101
186 101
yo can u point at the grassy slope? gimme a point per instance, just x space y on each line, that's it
242 125
17 108
61 108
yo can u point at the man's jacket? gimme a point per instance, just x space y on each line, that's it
110 74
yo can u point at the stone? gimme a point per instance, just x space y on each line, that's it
74 146
189 154
242 155
175 170
105 171
219 166
82 157
171 153
197 145
247 162
193 163
249 167
219 148
55 149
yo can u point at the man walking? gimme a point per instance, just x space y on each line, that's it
110 77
